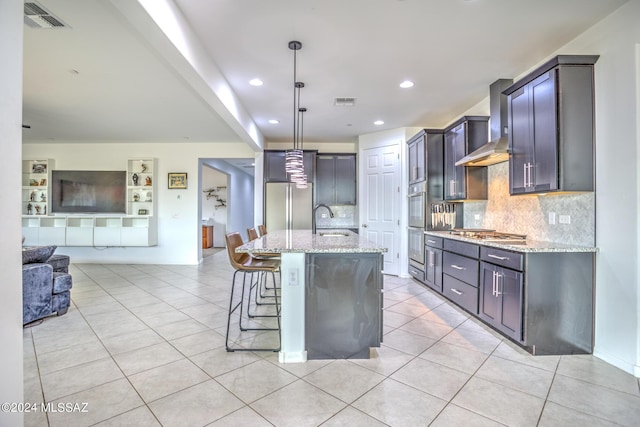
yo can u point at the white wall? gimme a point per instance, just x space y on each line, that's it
11 386
179 222
617 80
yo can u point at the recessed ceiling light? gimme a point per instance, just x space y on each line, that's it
378 122
406 84
274 122
256 82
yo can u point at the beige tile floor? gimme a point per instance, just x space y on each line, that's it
143 345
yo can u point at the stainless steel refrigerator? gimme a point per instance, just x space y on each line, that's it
300 207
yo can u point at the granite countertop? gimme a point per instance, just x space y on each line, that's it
303 241
529 246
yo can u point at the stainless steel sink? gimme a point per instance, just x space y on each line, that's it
333 234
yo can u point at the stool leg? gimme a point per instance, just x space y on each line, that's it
233 308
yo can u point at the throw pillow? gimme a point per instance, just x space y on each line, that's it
37 254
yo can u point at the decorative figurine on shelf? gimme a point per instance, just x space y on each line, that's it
134 178
143 167
37 209
136 197
147 181
32 196
29 209
148 196
43 182
33 182
43 197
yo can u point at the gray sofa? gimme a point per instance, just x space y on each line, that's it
46 284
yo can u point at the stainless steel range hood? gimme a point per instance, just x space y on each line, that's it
496 150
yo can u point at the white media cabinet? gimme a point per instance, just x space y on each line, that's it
138 227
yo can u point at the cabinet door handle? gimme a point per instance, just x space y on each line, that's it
498 257
493 284
524 174
498 276
457 267
455 291
530 181
431 259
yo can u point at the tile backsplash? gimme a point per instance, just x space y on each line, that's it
344 216
530 214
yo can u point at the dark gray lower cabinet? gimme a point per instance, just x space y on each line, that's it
501 299
433 268
541 300
343 305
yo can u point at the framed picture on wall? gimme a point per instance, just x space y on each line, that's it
177 180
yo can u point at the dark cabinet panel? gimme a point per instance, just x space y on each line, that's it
534 163
551 117
461 138
433 268
336 179
416 148
274 165
501 304
343 305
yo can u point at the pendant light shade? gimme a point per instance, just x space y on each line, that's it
294 158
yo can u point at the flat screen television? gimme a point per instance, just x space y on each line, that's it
88 191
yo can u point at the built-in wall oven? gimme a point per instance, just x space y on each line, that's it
417 223
417 205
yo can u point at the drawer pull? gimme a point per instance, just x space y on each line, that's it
431 241
455 291
457 267
498 257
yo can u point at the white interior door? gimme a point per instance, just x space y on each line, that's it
381 206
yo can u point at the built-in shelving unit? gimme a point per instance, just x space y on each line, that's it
36 178
140 186
138 227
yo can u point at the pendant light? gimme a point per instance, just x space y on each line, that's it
294 164
302 181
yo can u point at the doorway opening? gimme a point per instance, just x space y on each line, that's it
226 201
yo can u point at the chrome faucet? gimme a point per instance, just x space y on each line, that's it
313 218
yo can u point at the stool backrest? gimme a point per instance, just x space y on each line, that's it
252 233
262 229
233 241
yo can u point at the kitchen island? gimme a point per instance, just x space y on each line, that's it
331 293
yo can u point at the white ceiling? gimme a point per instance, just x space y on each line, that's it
126 90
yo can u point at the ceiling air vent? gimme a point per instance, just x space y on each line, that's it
36 16
344 102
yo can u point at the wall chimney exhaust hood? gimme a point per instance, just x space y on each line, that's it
496 150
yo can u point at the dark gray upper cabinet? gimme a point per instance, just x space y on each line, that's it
336 179
274 168
425 152
461 138
551 119
416 148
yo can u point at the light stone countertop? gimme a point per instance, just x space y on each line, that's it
529 246
303 241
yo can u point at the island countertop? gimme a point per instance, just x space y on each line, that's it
304 241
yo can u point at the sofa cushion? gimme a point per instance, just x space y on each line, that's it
61 282
37 254
60 263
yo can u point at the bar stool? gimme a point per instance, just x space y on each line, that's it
246 264
253 234
262 229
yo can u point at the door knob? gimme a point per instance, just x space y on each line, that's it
364 225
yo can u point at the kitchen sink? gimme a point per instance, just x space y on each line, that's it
333 234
